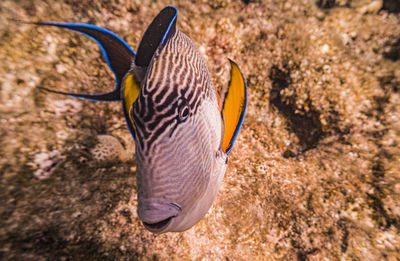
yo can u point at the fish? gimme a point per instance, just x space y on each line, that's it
183 127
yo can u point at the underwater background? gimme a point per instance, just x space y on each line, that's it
314 173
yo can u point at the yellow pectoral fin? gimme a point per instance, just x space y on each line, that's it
131 90
234 106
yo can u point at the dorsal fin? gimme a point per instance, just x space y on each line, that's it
160 29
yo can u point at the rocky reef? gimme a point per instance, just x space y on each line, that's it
313 175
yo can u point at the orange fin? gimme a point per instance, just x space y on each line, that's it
234 106
130 92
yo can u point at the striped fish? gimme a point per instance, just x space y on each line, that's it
183 130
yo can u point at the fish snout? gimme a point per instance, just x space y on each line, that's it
156 216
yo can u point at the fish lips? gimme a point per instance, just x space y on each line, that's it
157 217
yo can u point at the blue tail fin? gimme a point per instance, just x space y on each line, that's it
118 54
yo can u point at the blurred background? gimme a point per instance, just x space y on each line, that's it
313 175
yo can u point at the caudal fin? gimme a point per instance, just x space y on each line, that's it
119 56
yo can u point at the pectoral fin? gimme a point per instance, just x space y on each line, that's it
118 54
131 90
234 107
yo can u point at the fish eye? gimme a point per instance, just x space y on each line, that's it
183 111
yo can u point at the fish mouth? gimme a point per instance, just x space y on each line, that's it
156 217
158 226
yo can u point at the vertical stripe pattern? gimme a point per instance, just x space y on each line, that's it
176 152
176 74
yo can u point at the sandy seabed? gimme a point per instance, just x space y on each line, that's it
313 175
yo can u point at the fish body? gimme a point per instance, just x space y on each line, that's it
183 131
178 153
